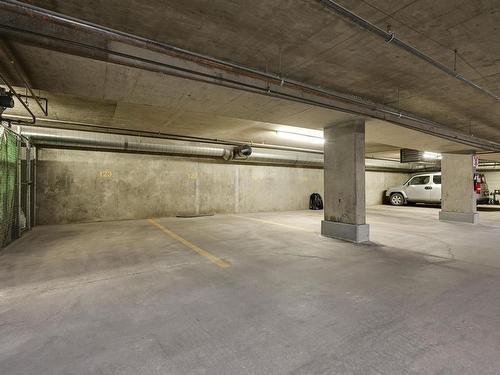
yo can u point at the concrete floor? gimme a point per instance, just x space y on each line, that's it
127 298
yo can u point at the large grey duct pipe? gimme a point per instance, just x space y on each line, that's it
81 139
489 167
77 139
62 138
286 157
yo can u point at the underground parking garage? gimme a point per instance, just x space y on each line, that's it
288 187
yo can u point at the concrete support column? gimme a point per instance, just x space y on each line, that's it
458 199
344 203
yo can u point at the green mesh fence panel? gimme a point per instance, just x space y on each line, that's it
8 179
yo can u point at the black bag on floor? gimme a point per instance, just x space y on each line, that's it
315 202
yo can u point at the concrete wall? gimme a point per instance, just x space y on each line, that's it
378 182
79 186
493 180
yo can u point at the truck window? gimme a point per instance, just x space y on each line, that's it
436 180
420 180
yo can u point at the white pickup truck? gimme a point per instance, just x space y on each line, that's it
426 188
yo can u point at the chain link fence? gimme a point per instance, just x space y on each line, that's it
9 187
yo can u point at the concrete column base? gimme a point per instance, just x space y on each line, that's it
462 217
348 232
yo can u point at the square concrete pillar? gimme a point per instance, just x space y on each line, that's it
458 199
344 203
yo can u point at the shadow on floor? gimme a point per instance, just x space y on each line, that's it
491 208
483 208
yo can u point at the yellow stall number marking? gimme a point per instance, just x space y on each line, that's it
105 173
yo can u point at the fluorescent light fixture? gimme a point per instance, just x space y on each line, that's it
432 155
301 135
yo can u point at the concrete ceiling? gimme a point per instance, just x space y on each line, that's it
298 39
95 92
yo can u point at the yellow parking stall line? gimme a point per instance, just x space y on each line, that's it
275 223
214 259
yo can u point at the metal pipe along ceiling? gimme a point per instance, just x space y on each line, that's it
391 38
